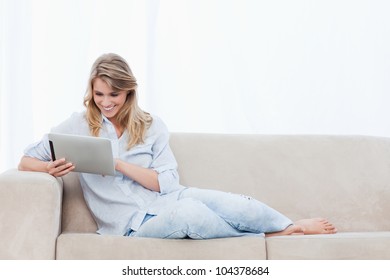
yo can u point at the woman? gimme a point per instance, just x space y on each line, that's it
145 198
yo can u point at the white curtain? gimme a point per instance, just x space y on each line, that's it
238 66
15 79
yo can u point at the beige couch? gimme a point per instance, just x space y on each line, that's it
343 178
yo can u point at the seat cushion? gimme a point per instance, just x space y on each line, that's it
348 246
93 246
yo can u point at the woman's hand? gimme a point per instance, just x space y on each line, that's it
56 168
59 167
148 178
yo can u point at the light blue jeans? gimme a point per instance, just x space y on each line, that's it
204 214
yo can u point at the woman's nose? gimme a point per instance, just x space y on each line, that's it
106 101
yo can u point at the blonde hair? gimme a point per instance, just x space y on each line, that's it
114 70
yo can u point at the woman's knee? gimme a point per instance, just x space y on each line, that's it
189 209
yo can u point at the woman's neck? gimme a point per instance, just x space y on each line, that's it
118 128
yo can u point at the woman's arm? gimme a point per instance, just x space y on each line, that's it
147 178
56 168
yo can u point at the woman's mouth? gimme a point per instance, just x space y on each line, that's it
108 109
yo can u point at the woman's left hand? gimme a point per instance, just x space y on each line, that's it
146 177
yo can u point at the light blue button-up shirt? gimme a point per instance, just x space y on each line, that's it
118 203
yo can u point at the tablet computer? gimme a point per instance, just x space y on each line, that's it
88 154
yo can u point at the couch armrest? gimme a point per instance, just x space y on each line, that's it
30 214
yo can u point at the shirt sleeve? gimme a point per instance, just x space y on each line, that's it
164 162
39 150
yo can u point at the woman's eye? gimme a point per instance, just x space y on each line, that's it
113 94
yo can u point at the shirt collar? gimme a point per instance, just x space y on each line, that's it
104 119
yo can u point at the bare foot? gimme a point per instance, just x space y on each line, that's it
316 226
307 226
290 230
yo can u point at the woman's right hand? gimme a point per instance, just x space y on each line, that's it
59 167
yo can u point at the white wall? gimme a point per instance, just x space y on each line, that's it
238 66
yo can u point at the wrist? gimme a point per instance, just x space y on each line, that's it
117 163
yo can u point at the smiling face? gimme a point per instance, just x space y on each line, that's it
108 100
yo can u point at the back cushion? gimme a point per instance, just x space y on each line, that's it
76 216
